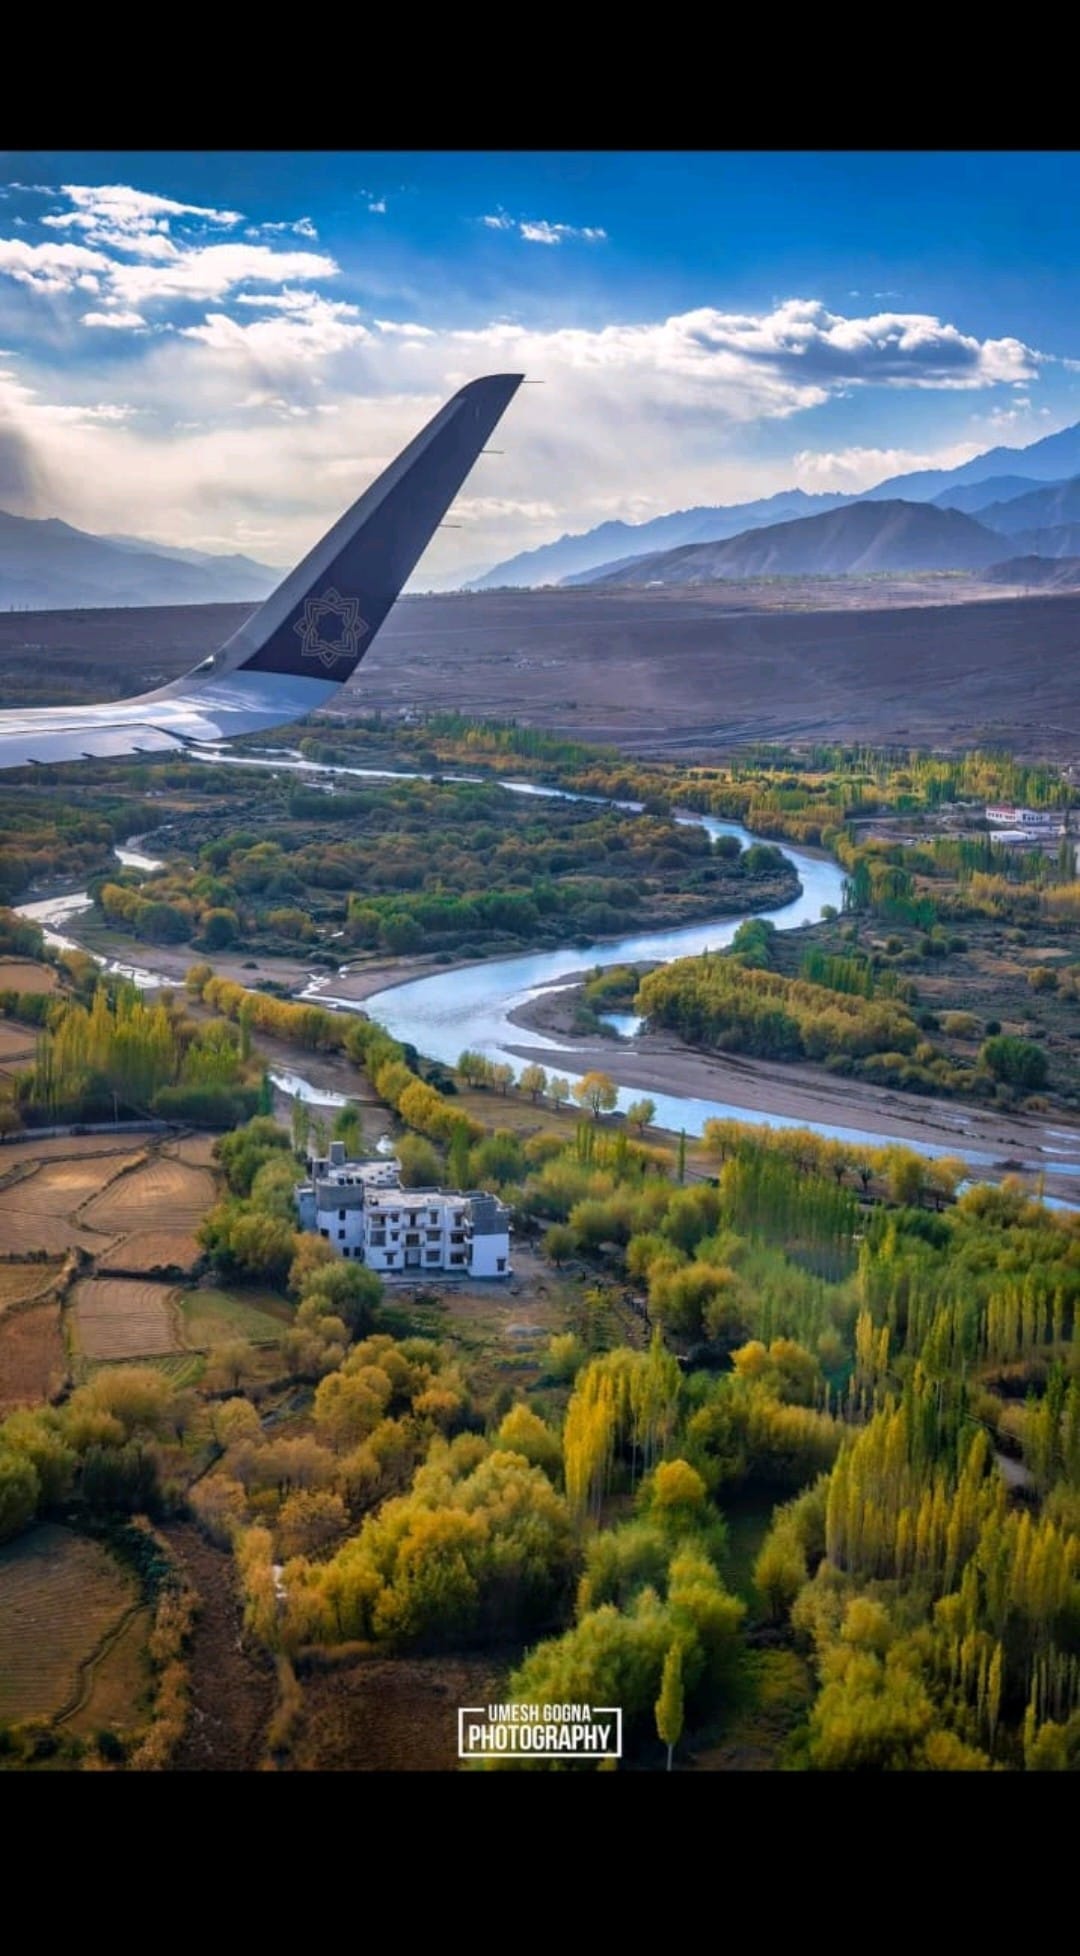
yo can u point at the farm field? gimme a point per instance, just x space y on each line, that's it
20 1281
197 1150
162 1194
61 1598
392 1716
213 1317
122 1317
116 1682
33 1364
147 1250
23 975
41 1202
17 1046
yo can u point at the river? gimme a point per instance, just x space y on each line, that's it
445 1013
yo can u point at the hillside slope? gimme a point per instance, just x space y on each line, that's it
855 541
49 565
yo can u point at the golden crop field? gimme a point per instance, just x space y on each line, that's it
17 1046
40 1204
62 1599
195 1149
33 1365
122 1317
147 1250
20 1281
163 1194
22 975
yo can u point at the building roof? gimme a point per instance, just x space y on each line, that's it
490 1217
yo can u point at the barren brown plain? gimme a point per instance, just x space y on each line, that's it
936 661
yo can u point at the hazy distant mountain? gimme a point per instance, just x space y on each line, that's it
617 542
1037 573
1053 459
1060 540
213 559
863 537
1037 509
49 566
975 497
994 477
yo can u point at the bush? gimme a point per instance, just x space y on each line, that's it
1015 1062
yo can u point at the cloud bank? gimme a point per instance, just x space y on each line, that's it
201 380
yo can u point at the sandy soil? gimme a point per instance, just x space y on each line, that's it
659 1062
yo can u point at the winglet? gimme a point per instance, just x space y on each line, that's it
320 622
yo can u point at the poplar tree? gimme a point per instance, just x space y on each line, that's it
669 1705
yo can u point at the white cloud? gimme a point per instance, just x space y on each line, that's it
49 267
539 231
301 227
115 319
291 402
305 331
126 219
297 300
851 469
378 206
138 247
213 270
407 328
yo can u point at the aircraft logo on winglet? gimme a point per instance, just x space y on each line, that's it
309 628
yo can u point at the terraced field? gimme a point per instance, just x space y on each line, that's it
20 1281
41 1203
122 1317
33 1364
22 975
17 1045
214 1317
150 1250
64 1602
162 1194
195 1149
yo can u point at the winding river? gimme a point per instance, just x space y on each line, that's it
444 1013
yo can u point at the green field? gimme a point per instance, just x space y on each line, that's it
214 1317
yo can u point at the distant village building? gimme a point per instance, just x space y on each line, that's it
1028 821
362 1211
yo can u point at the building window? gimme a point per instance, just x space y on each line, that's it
324 1232
457 1256
341 1235
433 1256
500 1263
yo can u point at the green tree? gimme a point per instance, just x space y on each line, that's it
669 1705
1019 1062
558 1090
558 1243
19 1491
533 1081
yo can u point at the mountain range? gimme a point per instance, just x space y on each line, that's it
46 565
1029 495
851 542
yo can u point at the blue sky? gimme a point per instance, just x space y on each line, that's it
220 350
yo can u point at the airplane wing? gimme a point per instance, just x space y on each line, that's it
312 632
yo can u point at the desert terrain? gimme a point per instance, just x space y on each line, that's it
936 661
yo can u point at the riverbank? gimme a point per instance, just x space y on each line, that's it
794 1093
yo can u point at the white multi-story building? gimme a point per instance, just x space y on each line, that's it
1027 820
363 1212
